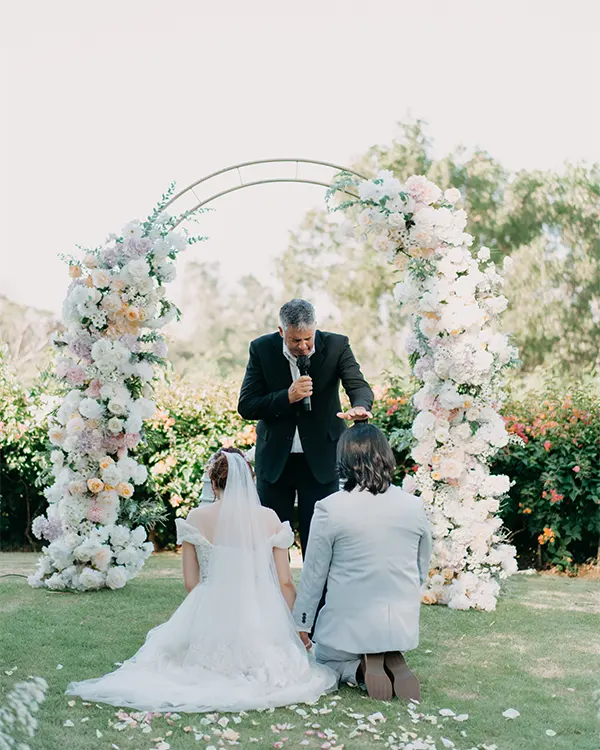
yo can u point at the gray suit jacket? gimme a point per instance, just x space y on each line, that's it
373 551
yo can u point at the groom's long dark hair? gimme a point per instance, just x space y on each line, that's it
365 459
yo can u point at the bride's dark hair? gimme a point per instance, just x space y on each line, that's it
218 467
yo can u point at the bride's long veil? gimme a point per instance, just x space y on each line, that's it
244 626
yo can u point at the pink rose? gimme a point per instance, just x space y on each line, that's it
577 469
94 514
132 439
76 375
93 389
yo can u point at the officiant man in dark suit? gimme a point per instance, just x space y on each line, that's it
291 386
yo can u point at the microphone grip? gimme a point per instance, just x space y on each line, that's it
306 403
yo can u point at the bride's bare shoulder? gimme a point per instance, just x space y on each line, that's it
271 520
200 512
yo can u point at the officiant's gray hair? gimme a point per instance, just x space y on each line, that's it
297 313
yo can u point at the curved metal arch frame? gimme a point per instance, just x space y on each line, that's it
242 185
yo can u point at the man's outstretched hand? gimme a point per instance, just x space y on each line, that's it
356 414
304 637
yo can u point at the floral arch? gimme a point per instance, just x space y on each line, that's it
116 306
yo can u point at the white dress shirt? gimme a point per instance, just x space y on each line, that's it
297 443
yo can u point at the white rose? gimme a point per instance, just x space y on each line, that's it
166 272
138 535
57 458
423 425
91 579
397 220
56 435
450 468
452 195
145 407
75 425
111 303
140 475
178 241
484 253
100 278
133 423
116 577
161 250
132 230
119 536
368 190
91 409
116 407
382 244
145 370
115 425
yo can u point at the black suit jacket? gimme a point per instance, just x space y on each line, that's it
264 396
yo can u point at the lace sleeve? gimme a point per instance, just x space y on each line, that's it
284 538
187 533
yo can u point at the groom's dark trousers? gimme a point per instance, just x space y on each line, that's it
264 397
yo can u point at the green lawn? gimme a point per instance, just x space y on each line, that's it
538 653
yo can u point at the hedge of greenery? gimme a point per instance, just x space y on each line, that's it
552 511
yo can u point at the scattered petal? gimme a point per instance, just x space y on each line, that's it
223 721
550 732
510 713
98 733
68 723
446 712
446 742
71 704
59 666
461 717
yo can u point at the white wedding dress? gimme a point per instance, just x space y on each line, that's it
232 644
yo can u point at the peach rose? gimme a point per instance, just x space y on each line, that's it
102 558
74 272
125 489
106 462
95 485
133 314
429 598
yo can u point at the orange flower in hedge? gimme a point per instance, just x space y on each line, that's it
555 497
547 536
527 511
547 445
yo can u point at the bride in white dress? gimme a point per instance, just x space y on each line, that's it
232 644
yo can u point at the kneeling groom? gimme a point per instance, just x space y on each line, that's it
370 544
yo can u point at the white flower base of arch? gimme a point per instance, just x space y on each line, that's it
113 311
454 299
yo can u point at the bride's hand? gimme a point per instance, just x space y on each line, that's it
304 637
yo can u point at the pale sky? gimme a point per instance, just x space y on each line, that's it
104 103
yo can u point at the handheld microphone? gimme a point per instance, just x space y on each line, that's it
303 363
